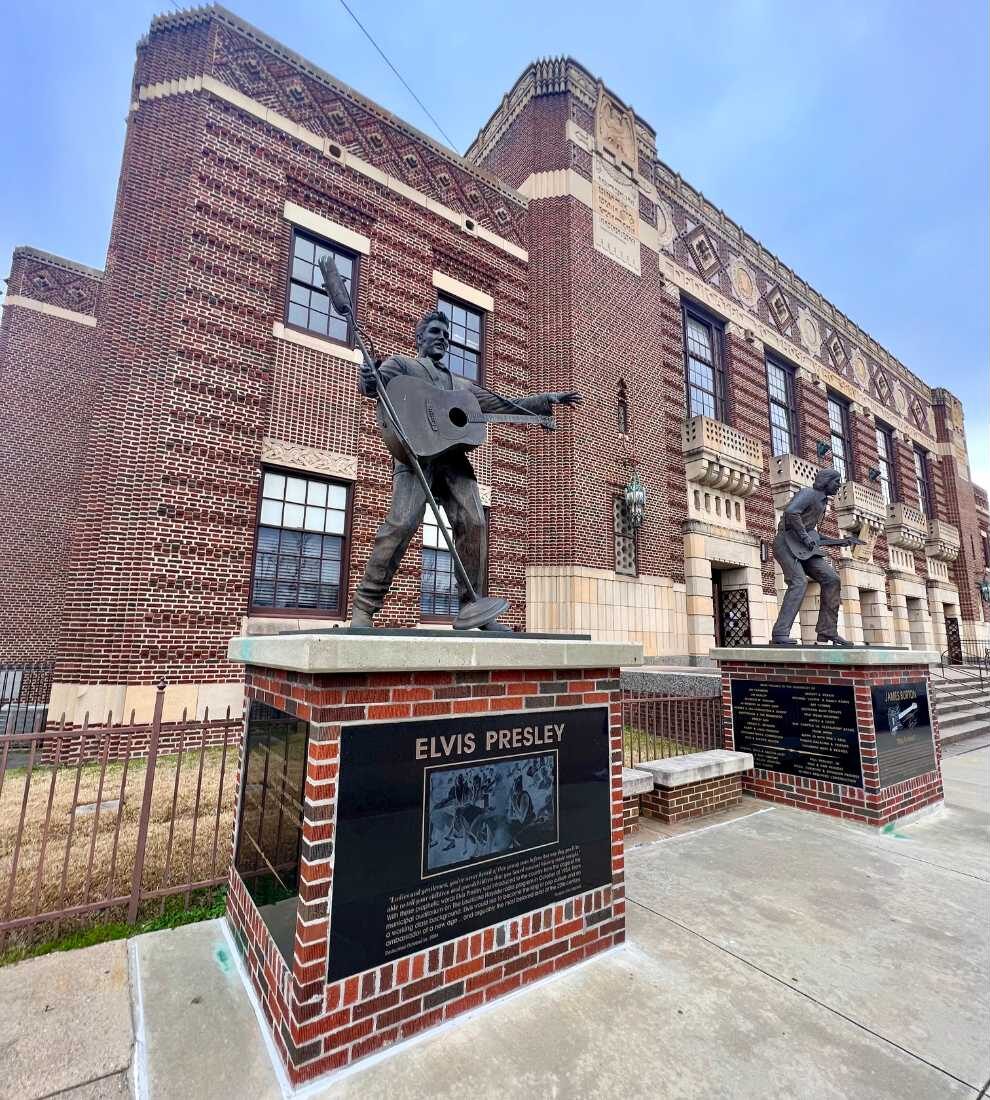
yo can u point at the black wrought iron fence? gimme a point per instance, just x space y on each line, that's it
106 817
24 691
658 726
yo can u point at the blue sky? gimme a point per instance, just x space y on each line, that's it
851 138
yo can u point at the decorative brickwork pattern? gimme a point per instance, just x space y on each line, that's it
319 1027
48 379
870 804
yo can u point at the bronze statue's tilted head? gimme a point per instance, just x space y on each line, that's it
827 481
433 335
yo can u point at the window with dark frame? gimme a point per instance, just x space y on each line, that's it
703 364
840 440
922 482
438 597
886 463
308 307
301 549
783 407
985 540
465 354
624 538
438 583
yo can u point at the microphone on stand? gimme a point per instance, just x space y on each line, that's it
334 285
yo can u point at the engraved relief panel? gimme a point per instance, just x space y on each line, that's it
279 452
615 129
702 251
743 282
811 335
837 351
615 206
900 398
859 368
666 231
780 311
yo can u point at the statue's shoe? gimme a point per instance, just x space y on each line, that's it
498 628
835 639
782 641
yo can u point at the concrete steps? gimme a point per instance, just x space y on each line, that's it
962 705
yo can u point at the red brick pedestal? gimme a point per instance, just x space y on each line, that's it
845 732
322 695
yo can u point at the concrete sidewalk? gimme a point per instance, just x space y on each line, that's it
774 954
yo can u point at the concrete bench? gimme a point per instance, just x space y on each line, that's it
634 783
695 784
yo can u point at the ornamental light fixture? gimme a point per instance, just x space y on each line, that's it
635 497
823 450
984 587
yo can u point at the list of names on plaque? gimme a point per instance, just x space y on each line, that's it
807 730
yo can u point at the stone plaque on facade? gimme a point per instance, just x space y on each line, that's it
902 720
615 205
445 827
798 729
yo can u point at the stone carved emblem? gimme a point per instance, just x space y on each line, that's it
615 129
779 309
743 282
811 336
900 398
703 251
836 350
666 233
859 368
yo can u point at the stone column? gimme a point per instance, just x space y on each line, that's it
899 615
700 605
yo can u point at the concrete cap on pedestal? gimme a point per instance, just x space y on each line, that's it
343 652
848 656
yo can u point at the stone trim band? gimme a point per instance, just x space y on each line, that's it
49 310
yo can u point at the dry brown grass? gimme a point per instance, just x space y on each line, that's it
76 862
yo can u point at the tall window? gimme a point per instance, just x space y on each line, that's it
624 538
922 482
465 354
438 586
703 364
622 409
838 424
783 408
301 549
309 307
885 463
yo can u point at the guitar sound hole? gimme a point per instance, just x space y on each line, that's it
458 417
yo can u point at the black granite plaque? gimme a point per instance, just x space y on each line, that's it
901 717
799 729
448 826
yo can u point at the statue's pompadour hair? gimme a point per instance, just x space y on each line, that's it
433 315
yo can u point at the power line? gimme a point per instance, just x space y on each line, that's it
426 109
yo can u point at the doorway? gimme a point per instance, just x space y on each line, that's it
732 626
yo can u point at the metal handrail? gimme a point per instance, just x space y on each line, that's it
969 662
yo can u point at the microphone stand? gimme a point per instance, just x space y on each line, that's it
482 609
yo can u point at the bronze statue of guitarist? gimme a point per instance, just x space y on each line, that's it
449 473
799 548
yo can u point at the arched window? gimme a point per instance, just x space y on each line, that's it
622 409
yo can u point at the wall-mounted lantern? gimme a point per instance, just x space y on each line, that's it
984 587
635 497
823 450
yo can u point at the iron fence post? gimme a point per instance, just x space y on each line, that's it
149 790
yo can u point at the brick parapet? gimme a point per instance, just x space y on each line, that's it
319 1027
872 804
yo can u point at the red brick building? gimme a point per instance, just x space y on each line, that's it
191 459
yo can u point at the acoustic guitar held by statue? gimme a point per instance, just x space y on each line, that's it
802 552
435 421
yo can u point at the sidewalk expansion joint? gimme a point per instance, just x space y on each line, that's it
809 997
